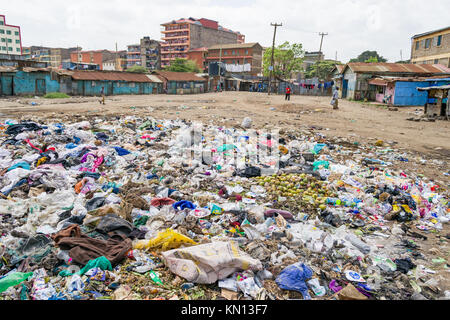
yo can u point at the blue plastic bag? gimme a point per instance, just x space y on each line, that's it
294 278
181 205
121 151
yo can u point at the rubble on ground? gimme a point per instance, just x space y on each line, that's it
129 208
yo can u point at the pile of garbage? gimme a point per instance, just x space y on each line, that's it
129 208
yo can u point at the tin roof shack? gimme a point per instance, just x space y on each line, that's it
336 76
7 75
356 75
30 81
90 83
438 104
402 91
182 82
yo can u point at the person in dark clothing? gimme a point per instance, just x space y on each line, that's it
288 94
102 92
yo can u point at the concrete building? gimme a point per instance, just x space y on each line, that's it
199 57
180 36
10 38
92 57
182 82
150 54
431 47
133 56
311 58
245 58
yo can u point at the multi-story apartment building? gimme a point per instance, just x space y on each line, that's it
431 47
10 38
150 54
26 53
96 57
133 55
180 36
243 58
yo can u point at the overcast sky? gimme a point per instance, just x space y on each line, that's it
353 26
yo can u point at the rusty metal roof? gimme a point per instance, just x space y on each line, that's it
110 76
179 76
383 67
378 82
7 69
234 45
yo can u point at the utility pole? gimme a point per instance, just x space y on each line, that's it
220 75
321 41
116 67
272 67
401 55
320 51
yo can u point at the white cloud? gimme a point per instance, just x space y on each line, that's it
353 26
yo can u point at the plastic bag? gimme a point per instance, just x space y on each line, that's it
13 279
293 278
165 240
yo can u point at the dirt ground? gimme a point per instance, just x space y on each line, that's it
364 123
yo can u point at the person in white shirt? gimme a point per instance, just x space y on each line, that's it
334 101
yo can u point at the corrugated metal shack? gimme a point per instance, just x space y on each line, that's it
29 81
356 76
402 91
182 82
90 83
40 81
438 103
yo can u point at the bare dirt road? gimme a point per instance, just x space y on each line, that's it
354 121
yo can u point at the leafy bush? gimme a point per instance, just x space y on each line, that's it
56 95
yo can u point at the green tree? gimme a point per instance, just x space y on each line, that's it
137 69
321 69
183 65
372 60
367 55
288 59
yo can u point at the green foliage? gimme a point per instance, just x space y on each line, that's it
320 69
372 60
369 55
56 95
288 59
137 69
183 65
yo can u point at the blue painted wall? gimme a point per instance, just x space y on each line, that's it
406 93
93 88
25 83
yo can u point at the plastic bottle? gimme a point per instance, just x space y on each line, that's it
354 240
317 288
334 201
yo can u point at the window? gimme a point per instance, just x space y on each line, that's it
10 49
439 40
233 53
436 61
9 40
3 40
18 41
427 43
8 32
1 22
246 52
4 48
417 45
225 53
18 49
16 33
2 31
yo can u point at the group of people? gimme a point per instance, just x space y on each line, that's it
334 101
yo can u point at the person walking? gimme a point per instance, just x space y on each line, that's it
288 94
335 99
102 92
